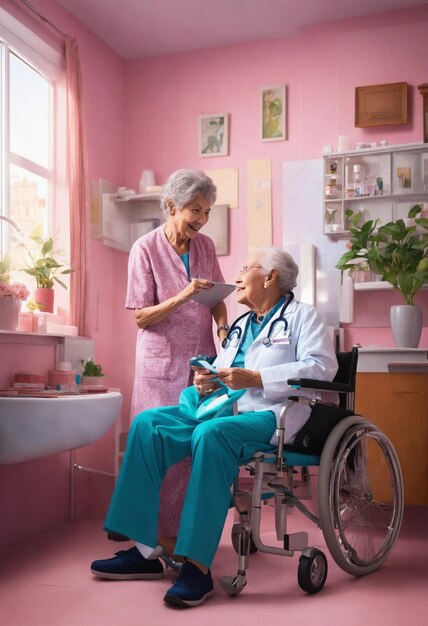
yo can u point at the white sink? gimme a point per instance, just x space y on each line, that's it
34 427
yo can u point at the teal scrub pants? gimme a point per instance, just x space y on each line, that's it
159 438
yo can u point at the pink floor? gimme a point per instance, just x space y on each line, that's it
46 582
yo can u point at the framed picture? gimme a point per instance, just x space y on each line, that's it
214 135
272 107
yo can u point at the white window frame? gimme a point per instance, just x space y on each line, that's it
49 62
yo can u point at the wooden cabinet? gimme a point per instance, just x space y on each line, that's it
383 182
398 405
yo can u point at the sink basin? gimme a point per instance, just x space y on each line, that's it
31 428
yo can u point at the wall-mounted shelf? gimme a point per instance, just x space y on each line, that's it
126 218
382 182
138 197
375 285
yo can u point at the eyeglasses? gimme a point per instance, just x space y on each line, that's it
247 268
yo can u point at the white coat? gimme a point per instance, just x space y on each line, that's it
309 353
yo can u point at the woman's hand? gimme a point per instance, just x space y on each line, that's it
240 378
204 381
151 315
195 286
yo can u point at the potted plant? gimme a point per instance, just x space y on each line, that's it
92 374
398 252
45 269
11 295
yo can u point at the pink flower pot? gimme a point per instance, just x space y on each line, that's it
9 312
44 297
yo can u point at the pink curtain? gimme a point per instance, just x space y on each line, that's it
78 185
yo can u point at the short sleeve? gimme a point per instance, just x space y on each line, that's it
141 284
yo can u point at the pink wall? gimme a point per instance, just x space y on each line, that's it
36 494
321 67
144 114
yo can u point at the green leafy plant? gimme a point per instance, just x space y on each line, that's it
92 369
396 251
44 267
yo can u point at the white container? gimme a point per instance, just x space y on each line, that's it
344 144
147 180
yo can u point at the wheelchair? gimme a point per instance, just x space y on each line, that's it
359 489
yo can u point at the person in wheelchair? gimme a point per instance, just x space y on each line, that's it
277 339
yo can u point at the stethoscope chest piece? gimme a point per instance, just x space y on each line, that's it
266 341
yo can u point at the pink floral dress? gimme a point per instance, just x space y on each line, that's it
156 273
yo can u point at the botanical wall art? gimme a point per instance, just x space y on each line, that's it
273 120
213 135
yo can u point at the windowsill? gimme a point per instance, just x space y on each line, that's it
24 337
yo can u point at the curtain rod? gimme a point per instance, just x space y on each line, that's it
44 19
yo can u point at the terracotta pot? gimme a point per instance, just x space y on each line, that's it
44 296
9 313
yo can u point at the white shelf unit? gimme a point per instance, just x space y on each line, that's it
126 218
392 180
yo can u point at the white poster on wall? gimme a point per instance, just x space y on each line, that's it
302 225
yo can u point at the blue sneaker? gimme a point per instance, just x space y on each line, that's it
191 588
128 565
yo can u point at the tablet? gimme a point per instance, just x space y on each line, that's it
214 295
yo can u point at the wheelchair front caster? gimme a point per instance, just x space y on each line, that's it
233 586
312 571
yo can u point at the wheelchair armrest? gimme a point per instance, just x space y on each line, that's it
324 385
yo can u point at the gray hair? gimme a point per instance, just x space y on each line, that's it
283 263
184 185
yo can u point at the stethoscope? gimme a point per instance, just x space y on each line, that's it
236 330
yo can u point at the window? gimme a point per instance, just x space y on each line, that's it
33 145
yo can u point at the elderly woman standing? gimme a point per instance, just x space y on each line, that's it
166 268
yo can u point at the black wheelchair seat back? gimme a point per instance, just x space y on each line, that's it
346 374
311 438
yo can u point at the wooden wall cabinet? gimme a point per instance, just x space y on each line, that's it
398 405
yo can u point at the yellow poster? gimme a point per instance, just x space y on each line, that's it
259 202
226 181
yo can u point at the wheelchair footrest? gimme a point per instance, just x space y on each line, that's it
295 541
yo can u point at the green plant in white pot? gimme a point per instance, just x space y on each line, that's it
398 251
92 373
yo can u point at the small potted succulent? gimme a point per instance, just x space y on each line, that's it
92 374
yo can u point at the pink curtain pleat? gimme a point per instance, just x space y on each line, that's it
78 186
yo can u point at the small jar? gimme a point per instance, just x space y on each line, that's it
62 375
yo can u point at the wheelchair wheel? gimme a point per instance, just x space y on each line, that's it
360 496
312 571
